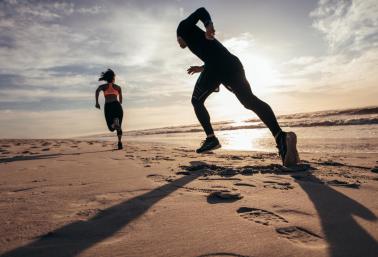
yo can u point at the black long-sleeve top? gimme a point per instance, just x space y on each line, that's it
211 52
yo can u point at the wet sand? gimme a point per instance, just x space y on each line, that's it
82 198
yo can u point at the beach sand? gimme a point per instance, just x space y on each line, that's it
82 198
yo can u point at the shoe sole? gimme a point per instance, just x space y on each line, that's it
214 148
292 156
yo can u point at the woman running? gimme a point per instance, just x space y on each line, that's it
113 100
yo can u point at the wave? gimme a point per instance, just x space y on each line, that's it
305 123
354 111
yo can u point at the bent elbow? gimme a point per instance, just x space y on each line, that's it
201 9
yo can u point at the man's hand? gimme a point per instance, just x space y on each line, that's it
195 69
97 106
210 31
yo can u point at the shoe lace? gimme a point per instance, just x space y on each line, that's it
204 142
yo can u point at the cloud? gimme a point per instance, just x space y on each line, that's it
55 51
53 47
349 25
350 28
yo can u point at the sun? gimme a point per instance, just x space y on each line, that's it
260 72
261 75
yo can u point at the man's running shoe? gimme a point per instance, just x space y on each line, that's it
120 146
287 148
211 143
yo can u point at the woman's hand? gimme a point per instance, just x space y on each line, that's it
195 69
97 106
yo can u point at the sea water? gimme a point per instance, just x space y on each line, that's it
336 131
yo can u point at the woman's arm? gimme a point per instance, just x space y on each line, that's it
96 96
120 94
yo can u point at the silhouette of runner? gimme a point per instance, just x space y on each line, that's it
112 108
222 67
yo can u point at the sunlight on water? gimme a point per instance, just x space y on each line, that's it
327 139
244 139
335 131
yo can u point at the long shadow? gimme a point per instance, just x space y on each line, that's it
336 211
44 156
74 238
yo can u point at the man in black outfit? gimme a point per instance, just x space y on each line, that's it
222 67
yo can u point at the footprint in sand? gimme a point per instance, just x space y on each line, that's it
340 183
88 213
244 184
278 185
223 196
160 178
301 236
261 216
186 173
207 179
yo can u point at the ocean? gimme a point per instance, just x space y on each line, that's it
335 131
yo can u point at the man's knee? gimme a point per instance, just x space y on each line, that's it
249 105
196 102
254 104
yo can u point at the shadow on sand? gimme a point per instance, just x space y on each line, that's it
337 213
44 156
343 234
74 238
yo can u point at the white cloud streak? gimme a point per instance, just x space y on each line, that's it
350 25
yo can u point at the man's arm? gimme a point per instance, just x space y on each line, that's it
200 14
195 69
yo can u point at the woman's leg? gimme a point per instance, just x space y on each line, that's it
119 114
109 116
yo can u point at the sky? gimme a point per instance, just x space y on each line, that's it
298 55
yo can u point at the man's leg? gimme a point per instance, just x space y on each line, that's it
206 84
241 88
286 142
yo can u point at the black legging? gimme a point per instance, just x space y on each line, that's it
113 110
233 77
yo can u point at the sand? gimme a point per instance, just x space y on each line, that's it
82 198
